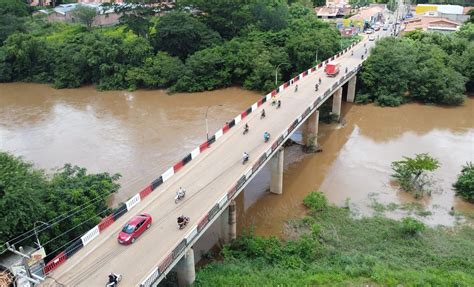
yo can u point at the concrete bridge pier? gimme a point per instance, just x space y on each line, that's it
310 131
276 182
229 223
185 269
351 87
336 103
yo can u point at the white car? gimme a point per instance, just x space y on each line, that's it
371 38
369 31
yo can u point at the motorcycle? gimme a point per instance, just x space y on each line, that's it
113 284
262 115
179 195
246 129
245 159
266 137
316 88
184 223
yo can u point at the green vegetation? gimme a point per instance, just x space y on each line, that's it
464 185
85 15
421 66
335 249
224 43
28 195
411 173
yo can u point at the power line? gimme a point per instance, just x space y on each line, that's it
55 221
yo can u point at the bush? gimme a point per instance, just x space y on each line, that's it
411 226
389 101
315 201
362 99
464 186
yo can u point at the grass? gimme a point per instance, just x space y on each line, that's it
336 249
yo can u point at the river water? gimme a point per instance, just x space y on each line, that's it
140 134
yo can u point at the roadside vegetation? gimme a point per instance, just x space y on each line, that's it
28 194
432 68
223 44
334 249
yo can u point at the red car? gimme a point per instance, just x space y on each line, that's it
134 228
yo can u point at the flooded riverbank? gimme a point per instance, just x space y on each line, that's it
354 167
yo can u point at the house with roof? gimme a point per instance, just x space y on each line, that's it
431 24
65 13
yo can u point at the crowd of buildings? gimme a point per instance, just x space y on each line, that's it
105 16
425 17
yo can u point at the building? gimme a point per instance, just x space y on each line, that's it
433 24
333 9
454 13
365 17
65 13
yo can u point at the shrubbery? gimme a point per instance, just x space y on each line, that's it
315 201
464 185
421 66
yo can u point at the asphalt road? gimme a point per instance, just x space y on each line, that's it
206 179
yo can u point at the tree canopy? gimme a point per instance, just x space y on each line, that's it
28 195
424 67
464 185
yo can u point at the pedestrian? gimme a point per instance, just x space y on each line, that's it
279 104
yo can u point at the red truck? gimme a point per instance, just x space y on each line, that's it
332 69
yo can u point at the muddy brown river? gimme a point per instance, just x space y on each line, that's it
140 134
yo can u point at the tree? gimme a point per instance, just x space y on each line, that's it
227 17
411 172
28 195
158 72
72 187
12 17
136 19
180 34
464 185
84 14
270 18
22 191
205 70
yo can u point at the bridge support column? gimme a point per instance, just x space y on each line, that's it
351 88
232 220
310 132
276 183
336 103
224 237
185 269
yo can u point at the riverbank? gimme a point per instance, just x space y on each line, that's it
330 247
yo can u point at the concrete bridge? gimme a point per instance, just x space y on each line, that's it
213 175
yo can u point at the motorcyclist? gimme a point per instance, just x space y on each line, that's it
263 114
316 87
246 128
346 69
296 88
352 53
319 81
181 192
266 136
245 156
113 279
182 220
278 104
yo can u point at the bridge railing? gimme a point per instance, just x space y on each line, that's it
89 236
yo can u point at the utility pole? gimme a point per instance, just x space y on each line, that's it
32 278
